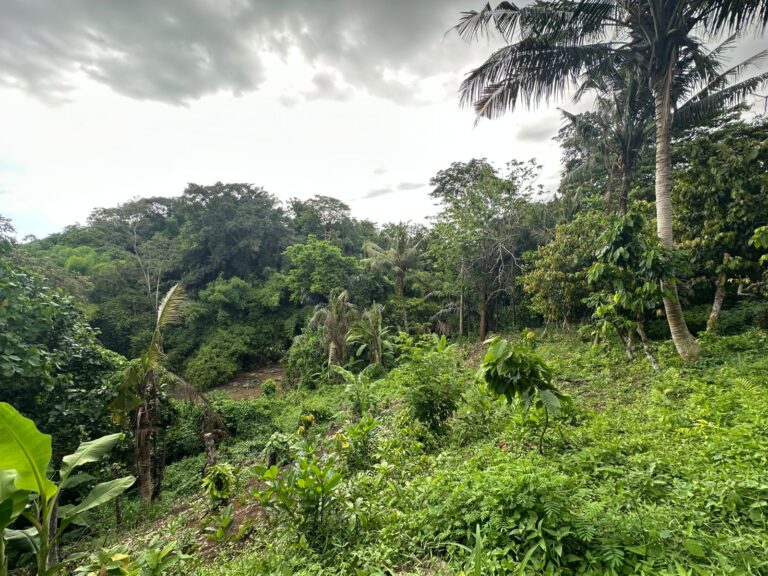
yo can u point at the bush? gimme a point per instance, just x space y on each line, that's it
223 355
220 483
433 386
306 360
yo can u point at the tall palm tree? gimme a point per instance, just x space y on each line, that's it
138 398
336 317
402 256
551 45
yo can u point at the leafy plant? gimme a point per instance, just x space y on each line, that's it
222 523
26 452
156 558
220 483
306 494
517 374
113 561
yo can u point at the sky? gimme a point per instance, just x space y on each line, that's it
102 101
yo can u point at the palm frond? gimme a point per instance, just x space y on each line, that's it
700 109
171 308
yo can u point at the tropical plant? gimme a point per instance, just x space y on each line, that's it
369 338
222 523
630 272
517 374
220 483
25 455
139 397
336 318
401 255
552 45
358 387
307 494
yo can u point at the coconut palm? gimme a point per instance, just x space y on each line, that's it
623 123
553 45
139 395
402 256
336 318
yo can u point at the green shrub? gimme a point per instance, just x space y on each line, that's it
433 385
223 355
269 387
306 361
220 483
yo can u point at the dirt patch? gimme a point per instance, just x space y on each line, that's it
247 385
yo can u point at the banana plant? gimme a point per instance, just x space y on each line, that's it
26 491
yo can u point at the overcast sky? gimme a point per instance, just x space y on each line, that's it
105 100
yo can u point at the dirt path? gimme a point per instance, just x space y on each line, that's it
248 384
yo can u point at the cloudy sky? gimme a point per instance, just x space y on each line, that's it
105 100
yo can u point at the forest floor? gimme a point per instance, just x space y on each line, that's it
247 384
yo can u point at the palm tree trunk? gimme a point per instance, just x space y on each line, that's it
717 303
626 183
685 343
144 455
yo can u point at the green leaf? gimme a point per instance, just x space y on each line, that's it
100 494
12 500
28 535
87 452
551 402
26 450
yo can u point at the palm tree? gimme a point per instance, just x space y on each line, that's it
370 336
139 395
336 318
552 45
402 256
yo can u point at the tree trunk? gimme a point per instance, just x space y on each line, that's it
717 303
158 464
461 313
483 329
144 455
685 343
626 184
647 345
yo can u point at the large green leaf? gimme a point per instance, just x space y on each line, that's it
29 536
26 450
12 500
89 452
100 494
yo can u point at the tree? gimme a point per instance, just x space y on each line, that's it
482 230
139 396
336 318
551 45
631 269
232 230
556 276
316 269
723 185
370 337
52 367
400 256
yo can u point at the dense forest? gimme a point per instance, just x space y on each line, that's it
531 382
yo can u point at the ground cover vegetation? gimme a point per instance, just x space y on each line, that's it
531 383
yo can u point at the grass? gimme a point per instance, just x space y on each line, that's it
648 473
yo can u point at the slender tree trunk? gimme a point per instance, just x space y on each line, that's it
144 455
684 341
483 329
627 177
717 303
461 301
647 345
